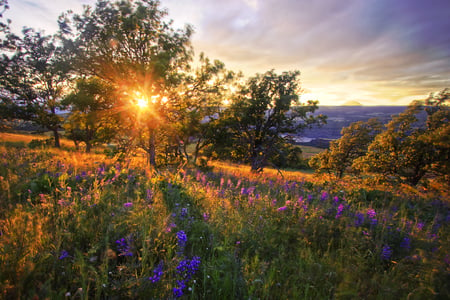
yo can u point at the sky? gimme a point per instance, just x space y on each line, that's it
375 52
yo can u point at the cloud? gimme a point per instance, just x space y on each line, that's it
344 49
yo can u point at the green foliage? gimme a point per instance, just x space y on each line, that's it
91 120
353 143
408 150
35 70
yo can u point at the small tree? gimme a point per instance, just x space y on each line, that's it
200 98
261 117
33 69
91 120
409 149
352 144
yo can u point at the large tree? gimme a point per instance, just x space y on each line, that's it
353 143
130 45
33 69
262 116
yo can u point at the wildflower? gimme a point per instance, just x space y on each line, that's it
182 240
157 273
420 226
324 196
406 243
128 204
185 269
371 213
63 254
283 208
336 199
205 217
123 247
359 219
340 209
386 252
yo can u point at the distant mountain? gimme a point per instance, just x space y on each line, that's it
352 103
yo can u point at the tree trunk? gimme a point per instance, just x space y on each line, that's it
152 149
88 147
56 135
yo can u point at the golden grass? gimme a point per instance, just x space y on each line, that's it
245 171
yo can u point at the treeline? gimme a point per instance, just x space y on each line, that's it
131 79
406 150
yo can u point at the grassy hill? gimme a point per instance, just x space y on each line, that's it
80 226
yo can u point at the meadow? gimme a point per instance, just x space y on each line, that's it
91 226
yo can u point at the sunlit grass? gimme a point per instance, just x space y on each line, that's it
76 225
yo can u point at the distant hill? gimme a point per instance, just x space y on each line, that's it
343 116
352 103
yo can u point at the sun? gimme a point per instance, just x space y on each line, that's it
142 103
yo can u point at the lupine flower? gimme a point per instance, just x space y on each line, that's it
128 204
205 217
406 243
63 254
123 247
184 212
182 240
185 269
157 273
336 199
188 267
420 225
386 252
324 196
359 219
283 208
339 210
371 213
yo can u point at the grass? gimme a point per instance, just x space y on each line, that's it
79 226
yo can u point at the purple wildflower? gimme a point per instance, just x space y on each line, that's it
359 219
157 273
283 208
386 252
185 269
420 226
128 204
123 247
340 209
371 213
64 254
182 240
406 243
324 196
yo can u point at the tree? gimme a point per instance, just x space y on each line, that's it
91 120
262 116
33 69
352 144
129 45
410 148
200 98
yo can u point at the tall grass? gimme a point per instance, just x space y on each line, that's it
78 226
